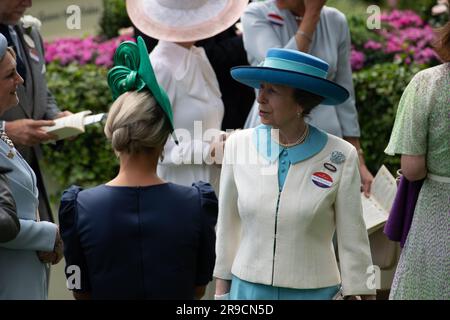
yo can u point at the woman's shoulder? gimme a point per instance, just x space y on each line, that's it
438 75
333 15
337 144
198 190
260 6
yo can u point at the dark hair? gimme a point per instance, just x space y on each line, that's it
307 100
442 43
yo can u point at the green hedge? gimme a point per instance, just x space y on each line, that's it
378 90
88 159
114 17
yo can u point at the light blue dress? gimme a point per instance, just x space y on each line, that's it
265 26
22 274
313 144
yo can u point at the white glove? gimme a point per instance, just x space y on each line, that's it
225 296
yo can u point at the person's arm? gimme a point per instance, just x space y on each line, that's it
414 167
353 242
28 132
366 175
229 223
206 253
222 286
33 235
346 111
9 223
410 135
307 27
73 250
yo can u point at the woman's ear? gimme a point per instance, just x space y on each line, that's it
299 111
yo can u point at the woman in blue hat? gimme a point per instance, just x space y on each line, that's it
286 187
308 26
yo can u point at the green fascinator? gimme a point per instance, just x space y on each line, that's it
133 71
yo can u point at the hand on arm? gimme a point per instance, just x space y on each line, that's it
29 132
222 289
56 255
308 25
366 176
217 148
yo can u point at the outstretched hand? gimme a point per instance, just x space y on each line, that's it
29 132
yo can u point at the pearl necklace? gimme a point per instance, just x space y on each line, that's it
8 141
299 140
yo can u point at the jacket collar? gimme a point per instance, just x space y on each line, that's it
270 150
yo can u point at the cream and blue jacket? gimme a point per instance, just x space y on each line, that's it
282 235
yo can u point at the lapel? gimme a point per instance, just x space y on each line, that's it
26 101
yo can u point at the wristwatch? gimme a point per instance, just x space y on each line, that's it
2 125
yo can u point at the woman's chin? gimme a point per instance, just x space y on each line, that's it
265 120
10 103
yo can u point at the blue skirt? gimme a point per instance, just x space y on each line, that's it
244 290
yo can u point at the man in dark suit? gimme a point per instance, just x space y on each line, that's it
37 107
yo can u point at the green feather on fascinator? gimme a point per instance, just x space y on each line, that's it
133 71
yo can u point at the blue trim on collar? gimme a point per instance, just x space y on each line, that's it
270 150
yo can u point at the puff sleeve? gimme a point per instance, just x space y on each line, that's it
206 255
73 251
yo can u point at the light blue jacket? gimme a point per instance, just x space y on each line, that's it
265 26
22 274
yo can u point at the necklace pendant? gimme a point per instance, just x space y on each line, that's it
10 154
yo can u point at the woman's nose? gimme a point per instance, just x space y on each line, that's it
19 79
261 97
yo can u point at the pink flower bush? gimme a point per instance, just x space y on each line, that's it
82 51
357 59
405 38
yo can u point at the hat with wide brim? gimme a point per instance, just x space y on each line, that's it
295 69
184 20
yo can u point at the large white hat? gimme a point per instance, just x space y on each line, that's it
184 20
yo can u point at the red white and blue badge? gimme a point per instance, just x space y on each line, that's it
321 179
275 19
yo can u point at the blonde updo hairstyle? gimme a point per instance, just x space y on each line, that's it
136 123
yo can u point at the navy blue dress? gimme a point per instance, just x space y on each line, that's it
154 242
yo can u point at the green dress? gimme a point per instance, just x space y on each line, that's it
422 127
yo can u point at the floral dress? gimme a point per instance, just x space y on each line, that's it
422 127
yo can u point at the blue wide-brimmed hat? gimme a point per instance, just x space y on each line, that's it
3 45
294 69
